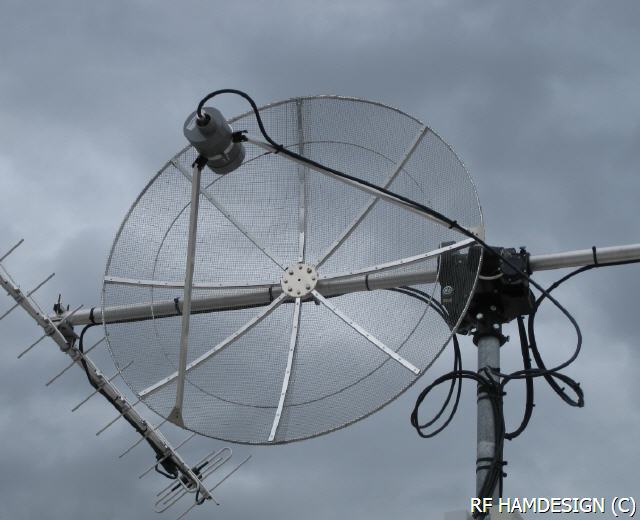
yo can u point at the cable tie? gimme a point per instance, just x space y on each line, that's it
175 302
239 136
270 294
595 256
200 162
366 282
91 317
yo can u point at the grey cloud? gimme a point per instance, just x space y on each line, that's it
539 100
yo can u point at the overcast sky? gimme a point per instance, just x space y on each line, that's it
539 99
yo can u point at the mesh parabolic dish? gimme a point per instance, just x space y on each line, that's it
302 363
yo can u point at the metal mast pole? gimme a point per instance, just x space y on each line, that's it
488 357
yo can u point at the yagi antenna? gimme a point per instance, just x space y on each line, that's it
290 277
192 479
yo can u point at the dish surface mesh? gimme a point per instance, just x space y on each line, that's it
338 376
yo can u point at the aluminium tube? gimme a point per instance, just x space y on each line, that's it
332 286
581 257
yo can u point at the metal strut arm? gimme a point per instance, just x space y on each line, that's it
218 205
370 337
176 414
220 346
302 186
403 262
295 325
372 202
137 282
287 373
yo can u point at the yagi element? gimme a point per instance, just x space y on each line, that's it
32 291
171 494
100 384
162 459
148 430
125 407
65 369
204 467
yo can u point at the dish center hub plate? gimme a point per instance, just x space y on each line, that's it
299 280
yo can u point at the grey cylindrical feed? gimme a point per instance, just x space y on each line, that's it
214 140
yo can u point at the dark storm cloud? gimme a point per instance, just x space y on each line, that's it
539 100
